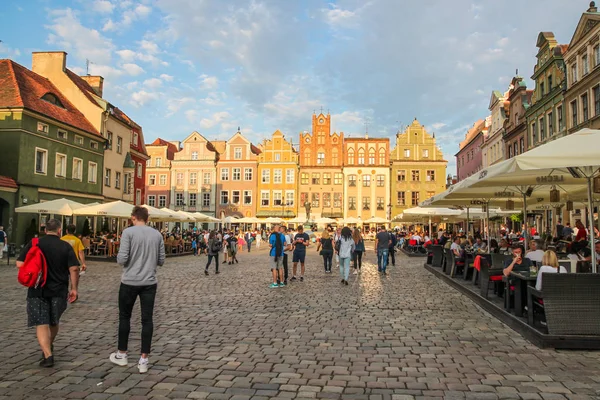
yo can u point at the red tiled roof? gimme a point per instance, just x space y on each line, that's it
83 85
255 149
20 87
7 182
161 142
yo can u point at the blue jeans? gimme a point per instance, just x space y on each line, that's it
345 268
382 256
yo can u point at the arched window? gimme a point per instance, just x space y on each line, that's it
351 156
51 98
321 156
306 157
372 157
334 156
381 157
361 157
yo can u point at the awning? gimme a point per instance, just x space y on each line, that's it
276 214
335 214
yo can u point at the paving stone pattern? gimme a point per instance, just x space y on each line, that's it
229 336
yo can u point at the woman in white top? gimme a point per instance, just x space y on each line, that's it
550 266
347 247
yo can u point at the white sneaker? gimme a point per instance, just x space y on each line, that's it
355 272
119 359
143 366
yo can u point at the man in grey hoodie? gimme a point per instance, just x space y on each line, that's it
142 251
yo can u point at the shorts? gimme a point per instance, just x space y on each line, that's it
45 310
276 264
299 256
231 252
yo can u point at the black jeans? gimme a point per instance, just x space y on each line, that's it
210 258
249 244
285 267
357 258
392 255
327 260
127 297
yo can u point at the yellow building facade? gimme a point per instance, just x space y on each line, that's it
277 178
418 168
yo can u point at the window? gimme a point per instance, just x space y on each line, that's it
62 135
406 153
224 174
321 138
326 178
380 203
361 157
372 157
277 156
126 183
350 156
542 130
352 180
180 178
415 198
192 199
109 138
158 161
337 200
430 175
152 201
559 111
542 91
352 203
430 194
550 124
149 162
178 199
235 197
41 161
326 200
41 127
382 157
206 178
140 170
60 169
334 157
366 179
401 175
584 105
194 155
574 73
400 198
304 178
117 180
93 145
205 199
289 198
534 136
416 175
264 198
549 83
338 178
135 139
247 197
237 153
515 150
320 158
585 65
596 56
366 203
248 174
574 121
316 178
315 200
152 180
304 198
277 176
596 91
138 196
236 174
289 176
224 197
107 173
119 144
162 180
380 180
425 153
193 178
307 157
162 201
510 151
92 172
266 176
277 198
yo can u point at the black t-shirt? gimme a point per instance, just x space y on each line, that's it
299 241
327 243
523 267
59 257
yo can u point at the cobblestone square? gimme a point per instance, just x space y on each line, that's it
406 335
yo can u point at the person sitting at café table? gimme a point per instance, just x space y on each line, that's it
457 248
518 263
549 266
504 248
494 247
534 253
586 253
480 245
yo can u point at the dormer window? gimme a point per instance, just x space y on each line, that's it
51 98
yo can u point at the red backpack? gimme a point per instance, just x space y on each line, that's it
33 271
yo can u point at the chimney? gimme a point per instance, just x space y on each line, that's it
48 63
96 82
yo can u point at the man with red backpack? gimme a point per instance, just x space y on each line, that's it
47 298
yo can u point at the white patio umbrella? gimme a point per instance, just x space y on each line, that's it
325 220
158 215
58 207
186 216
429 212
376 220
352 220
204 218
247 220
176 217
297 220
230 220
117 209
274 220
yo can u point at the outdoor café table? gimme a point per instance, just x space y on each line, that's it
521 280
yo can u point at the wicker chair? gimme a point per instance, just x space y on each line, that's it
447 263
457 264
438 255
488 275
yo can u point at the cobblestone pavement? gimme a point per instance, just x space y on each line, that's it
229 336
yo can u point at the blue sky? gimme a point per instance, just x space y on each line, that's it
181 65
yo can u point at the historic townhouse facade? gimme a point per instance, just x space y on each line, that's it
493 148
469 158
124 154
582 59
277 178
515 126
158 172
49 149
194 176
237 167
418 168
366 177
546 115
321 171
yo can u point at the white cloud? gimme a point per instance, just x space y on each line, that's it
8 51
218 117
191 115
141 98
153 83
214 99
127 55
464 66
109 26
103 6
209 82
503 42
108 72
166 77
129 16
149 47
438 125
175 104
132 69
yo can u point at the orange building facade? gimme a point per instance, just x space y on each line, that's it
158 172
